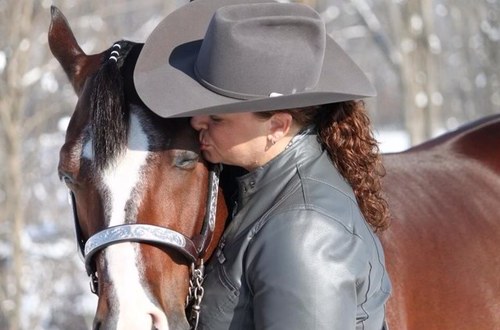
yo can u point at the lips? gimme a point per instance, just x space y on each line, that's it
203 144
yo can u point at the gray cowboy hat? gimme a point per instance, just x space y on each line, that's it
221 56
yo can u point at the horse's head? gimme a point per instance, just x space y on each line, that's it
131 175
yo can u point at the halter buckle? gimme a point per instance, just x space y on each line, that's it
94 283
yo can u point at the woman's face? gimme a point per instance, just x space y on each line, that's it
239 139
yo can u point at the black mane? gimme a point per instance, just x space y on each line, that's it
109 113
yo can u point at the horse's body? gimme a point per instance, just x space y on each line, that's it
441 250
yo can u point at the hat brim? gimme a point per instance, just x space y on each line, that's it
166 83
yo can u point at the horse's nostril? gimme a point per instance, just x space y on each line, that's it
153 325
97 326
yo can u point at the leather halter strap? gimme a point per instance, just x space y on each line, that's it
139 233
192 249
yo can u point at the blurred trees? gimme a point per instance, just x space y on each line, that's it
435 64
17 122
448 59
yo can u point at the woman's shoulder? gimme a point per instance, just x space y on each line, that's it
323 189
316 196
321 173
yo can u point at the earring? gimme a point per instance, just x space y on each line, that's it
270 143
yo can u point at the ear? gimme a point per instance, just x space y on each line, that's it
280 124
65 48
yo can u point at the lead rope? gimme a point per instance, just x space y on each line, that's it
195 294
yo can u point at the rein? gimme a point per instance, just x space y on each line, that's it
193 249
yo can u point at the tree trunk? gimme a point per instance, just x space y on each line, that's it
12 112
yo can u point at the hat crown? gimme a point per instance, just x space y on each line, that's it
253 50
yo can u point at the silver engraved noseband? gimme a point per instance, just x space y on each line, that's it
192 249
138 233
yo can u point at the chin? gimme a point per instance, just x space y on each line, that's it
210 157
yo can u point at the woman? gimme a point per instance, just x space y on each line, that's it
269 92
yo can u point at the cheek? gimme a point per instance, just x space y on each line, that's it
237 144
227 149
223 140
217 141
247 150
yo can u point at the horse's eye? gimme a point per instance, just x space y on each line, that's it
66 178
186 159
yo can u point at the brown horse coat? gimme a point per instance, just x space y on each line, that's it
442 249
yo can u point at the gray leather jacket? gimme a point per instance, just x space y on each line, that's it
298 253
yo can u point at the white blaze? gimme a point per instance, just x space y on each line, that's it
136 310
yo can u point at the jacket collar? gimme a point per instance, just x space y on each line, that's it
304 146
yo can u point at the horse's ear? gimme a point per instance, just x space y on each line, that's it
65 48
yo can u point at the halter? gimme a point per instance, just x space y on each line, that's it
192 249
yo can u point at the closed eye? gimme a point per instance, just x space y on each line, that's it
215 119
186 159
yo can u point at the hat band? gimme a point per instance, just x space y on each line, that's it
222 91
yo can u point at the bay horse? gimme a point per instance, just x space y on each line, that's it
443 246
146 206
128 168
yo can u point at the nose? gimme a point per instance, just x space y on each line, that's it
143 321
127 315
199 122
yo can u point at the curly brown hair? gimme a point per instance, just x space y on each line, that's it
344 130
